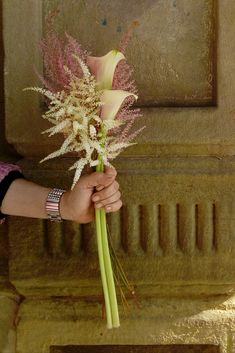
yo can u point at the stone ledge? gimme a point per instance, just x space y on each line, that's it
161 321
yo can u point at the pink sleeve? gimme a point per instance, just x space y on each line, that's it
6 168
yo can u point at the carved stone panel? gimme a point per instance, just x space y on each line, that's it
172 50
179 225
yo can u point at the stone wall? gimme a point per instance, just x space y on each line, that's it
175 232
8 298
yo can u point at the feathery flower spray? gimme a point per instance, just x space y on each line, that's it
89 102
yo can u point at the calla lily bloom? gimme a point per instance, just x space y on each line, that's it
112 100
103 68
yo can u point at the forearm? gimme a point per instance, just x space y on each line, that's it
25 198
28 199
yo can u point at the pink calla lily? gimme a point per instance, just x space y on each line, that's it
112 100
103 68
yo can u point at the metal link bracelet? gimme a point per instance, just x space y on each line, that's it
53 204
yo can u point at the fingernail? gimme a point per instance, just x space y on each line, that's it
108 208
95 198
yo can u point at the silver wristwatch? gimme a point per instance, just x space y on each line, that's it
53 204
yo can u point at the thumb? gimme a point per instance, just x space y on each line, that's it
98 179
110 171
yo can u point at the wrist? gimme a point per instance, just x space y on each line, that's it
65 208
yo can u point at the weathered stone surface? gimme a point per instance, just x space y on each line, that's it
162 321
3 252
8 311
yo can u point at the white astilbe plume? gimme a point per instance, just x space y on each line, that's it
75 112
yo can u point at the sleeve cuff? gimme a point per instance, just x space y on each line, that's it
4 186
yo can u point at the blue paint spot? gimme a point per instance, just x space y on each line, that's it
104 22
119 28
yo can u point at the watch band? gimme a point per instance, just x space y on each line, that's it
53 204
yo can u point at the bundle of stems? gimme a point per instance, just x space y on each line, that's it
110 297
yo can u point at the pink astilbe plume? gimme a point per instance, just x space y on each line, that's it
66 63
127 36
128 115
123 80
58 53
74 48
123 74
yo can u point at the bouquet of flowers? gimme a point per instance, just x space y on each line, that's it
90 102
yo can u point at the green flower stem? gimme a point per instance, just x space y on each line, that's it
105 265
102 268
109 271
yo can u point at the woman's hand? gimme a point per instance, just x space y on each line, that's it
95 190
26 198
